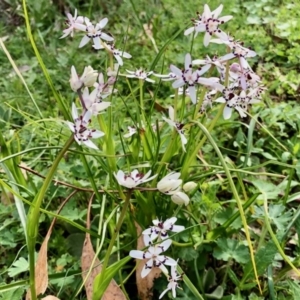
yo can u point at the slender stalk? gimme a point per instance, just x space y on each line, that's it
114 237
237 199
34 213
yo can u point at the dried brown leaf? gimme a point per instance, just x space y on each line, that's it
113 292
41 266
144 285
41 269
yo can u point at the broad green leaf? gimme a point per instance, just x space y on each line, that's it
231 249
19 266
188 253
263 258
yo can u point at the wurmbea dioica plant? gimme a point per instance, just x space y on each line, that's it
226 79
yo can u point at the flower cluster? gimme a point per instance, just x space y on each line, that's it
240 86
153 257
94 33
91 103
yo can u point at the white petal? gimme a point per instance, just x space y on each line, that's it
227 112
189 30
163 293
206 40
126 55
96 134
147 270
171 113
103 22
165 245
180 198
187 61
74 111
225 18
193 94
106 37
90 144
217 11
71 126
177 228
84 41
136 254
178 83
175 70
97 43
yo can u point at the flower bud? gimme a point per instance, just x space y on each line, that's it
75 81
189 186
180 198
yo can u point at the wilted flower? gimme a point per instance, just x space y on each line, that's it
95 33
155 259
133 179
190 78
74 23
140 74
82 134
209 23
160 228
169 183
173 282
176 125
88 78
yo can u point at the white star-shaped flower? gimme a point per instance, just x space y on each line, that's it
155 259
160 228
74 23
82 134
95 33
209 23
132 179
186 77
173 282
140 74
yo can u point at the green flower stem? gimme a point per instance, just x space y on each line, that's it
198 106
115 235
141 82
187 163
34 213
236 197
274 238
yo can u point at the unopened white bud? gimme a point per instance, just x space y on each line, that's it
189 186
